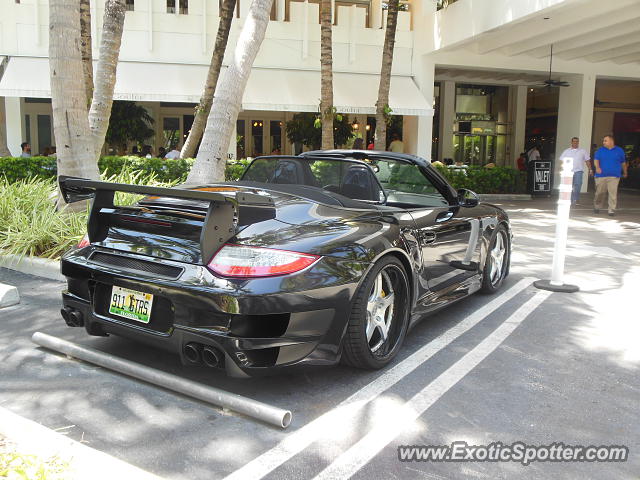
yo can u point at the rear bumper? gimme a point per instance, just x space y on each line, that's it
261 325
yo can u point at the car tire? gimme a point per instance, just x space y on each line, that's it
377 326
496 263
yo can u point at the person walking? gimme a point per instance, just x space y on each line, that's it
580 159
610 164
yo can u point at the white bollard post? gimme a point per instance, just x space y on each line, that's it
556 284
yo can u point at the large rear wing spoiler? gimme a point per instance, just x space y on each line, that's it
218 226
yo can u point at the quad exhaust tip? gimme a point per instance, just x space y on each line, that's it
72 317
193 352
211 356
202 354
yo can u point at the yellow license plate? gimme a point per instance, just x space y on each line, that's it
131 304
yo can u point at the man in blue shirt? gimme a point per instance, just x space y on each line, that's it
610 164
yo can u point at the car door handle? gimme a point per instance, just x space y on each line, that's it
444 216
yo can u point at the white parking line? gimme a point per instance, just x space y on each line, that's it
344 413
388 427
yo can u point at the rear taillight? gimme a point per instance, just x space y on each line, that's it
84 242
244 261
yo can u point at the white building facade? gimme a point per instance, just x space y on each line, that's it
467 79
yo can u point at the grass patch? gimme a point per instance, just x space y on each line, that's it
15 465
31 225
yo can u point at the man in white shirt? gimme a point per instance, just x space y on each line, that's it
174 153
580 158
533 155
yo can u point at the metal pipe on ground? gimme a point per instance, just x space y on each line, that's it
246 406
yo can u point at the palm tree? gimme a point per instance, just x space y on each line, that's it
326 75
221 124
382 105
4 151
204 107
105 81
85 43
75 146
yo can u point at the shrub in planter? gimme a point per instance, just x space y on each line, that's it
163 169
16 168
496 180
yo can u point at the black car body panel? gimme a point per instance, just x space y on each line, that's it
163 244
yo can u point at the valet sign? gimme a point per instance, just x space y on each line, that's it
542 177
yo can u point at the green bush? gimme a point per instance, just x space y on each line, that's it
494 180
17 168
165 170
31 225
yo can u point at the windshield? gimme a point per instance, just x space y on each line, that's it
352 179
403 184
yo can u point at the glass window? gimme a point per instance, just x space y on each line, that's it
183 4
275 137
44 132
406 185
257 137
287 8
358 3
240 143
27 128
130 5
170 132
347 178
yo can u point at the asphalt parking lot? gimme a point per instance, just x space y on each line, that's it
521 365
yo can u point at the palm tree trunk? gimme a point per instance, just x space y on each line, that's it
221 124
75 148
385 76
87 54
326 72
105 81
204 107
4 151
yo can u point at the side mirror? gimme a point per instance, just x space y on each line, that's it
467 198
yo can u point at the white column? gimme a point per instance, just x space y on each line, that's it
352 33
375 19
204 26
280 10
447 117
36 15
417 135
305 31
149 25
575 117
13 116
418 131
518 121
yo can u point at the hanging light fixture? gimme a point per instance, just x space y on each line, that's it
355 123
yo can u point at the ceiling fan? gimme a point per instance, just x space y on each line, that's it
551 82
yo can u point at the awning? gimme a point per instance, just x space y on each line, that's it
267 89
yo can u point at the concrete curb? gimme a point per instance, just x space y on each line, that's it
506 197
8 295
40 267
84 462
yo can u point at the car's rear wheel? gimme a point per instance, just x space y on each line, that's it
379 316
496 264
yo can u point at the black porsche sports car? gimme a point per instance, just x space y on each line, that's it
306 260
